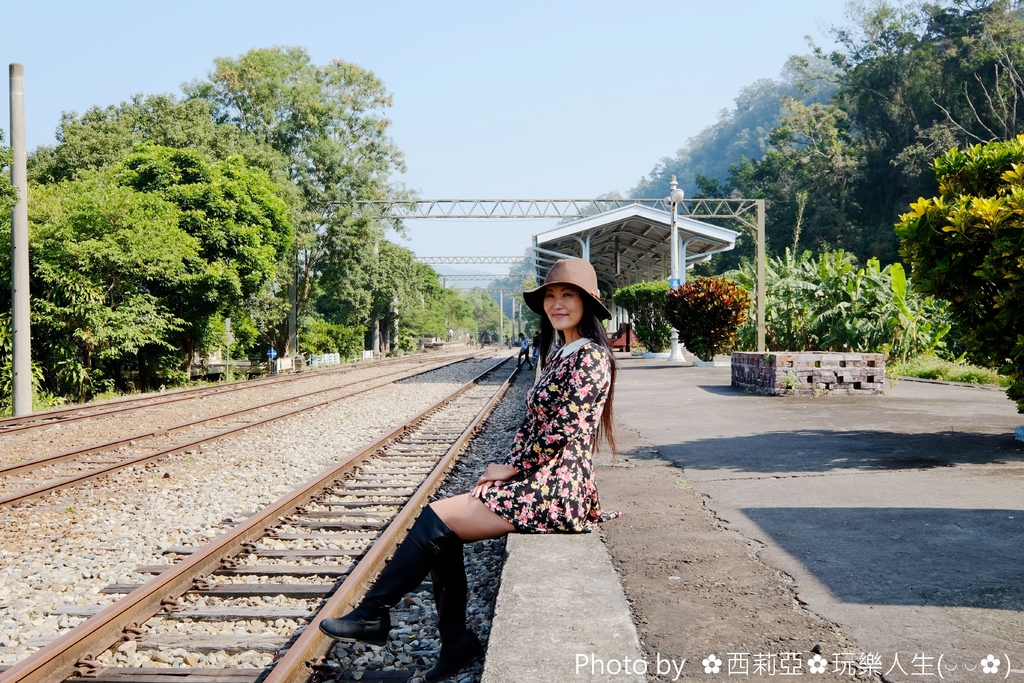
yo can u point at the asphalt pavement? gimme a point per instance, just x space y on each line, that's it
900 517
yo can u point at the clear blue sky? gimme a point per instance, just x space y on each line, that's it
491 100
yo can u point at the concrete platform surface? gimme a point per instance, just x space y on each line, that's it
899 517
561 615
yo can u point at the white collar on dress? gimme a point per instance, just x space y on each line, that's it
564 351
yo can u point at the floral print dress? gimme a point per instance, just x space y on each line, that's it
554 489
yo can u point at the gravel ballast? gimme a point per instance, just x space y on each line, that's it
60 551
415 642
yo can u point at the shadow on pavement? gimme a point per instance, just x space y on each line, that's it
823 450
906 556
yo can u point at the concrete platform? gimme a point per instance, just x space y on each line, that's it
899 518
561 614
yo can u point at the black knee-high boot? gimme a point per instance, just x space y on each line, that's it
417 555
459 646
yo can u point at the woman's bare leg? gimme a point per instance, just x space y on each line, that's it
470 518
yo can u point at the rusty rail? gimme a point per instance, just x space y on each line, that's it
14 425
77 647
29 465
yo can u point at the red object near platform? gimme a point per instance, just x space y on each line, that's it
624 339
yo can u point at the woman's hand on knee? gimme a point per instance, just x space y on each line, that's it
494 474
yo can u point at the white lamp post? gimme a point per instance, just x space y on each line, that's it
675 197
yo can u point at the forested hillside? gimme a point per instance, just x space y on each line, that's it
843 143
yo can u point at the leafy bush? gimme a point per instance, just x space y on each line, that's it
40 399
645 302
967 246
825 302
929 366
707 312
319 336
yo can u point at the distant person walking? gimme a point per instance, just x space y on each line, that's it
545 483
524 351
535 355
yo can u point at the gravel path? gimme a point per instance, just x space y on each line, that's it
61 550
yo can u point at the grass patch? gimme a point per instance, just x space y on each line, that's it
933 367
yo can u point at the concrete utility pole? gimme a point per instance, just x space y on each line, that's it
293 312
375 323
20 302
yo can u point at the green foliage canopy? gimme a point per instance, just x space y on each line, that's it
966 245
133 264
840 155
827 303
645 302
329 122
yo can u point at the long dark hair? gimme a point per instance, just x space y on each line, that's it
590 326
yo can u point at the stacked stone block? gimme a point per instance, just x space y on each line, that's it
780 373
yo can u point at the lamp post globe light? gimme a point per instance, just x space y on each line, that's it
675 197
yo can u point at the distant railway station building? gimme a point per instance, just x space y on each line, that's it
630 244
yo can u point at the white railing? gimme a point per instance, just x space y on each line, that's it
325 360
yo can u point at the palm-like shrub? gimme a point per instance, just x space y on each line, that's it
707 311
645 302
826 302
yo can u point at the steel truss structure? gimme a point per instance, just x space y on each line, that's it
440 260
470 276
749 213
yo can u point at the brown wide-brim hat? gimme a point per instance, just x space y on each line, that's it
569 271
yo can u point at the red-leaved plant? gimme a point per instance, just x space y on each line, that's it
707 311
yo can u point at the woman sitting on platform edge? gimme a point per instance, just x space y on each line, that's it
545 485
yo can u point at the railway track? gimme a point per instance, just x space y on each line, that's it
128 404
40 476
318 546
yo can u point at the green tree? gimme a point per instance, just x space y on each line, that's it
319 337
105 136
135 265
908 80
915 79
742 131
966 245
98 250
645 302
812 155
827 303
240 222
485 311
329 122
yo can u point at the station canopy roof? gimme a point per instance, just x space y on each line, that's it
629 244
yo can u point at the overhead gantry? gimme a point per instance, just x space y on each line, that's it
627 240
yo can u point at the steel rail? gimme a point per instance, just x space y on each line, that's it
58 484
35 463
58 660
15 425
312 645
12 425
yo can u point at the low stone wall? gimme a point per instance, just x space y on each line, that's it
779 373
